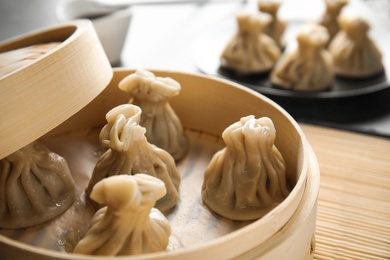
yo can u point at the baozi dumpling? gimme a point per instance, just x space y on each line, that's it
35 186
247 178
277 27
354 53
129 153
309 67
152 95
251 51
330 17
128 224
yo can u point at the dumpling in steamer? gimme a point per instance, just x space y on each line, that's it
152 95
277 27
330 17
129 153
309 67
247 178
128 224
35 186
354 53
250 51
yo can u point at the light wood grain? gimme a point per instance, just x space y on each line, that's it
353 218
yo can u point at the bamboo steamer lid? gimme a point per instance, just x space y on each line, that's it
45 91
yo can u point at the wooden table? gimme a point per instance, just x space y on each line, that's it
353 218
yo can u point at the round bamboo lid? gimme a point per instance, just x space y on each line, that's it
45 78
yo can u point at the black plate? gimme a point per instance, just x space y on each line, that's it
209 45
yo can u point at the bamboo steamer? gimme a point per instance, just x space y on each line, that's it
40 95
208 105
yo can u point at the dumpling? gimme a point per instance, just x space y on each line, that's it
309 67
277 27
354 53
247 178
35 186
329 19
128 224
250 51
152 95
129 153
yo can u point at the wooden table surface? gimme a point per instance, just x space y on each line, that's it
353 217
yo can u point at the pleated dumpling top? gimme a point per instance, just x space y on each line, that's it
247 178
354 53
128 224
250 50
309 67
